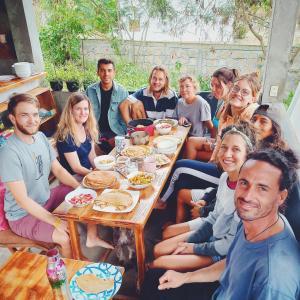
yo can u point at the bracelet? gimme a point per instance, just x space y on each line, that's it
57 222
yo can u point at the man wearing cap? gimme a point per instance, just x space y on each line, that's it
157 101
263 261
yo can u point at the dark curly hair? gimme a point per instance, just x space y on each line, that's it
244 129
284 160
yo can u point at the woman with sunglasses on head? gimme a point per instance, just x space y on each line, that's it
75 141
221 83
190 174
208 239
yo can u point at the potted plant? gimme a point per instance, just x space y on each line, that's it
54 77
72 76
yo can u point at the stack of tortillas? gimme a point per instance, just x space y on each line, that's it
99 180
92 284
119 199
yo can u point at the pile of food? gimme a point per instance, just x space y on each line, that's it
118 199
161 159
92 284
99 180
137 151
81 199
141 179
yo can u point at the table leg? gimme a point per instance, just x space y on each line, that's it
74 240
140 254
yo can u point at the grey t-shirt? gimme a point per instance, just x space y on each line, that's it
196 113
30 163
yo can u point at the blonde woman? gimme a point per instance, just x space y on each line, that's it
75 141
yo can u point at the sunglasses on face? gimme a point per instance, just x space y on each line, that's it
244 92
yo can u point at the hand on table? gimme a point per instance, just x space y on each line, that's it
184 248
182 120
172 279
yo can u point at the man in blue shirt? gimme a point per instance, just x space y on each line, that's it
157 101
263 261
106 97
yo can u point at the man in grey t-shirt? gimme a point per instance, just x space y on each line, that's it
25 163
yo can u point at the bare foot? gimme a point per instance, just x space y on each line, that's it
160 204
98 243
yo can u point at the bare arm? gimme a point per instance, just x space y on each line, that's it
172 279
210 127
19 192
125 110
63 175
92 155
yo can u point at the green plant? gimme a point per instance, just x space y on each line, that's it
204 83
287 101
72 71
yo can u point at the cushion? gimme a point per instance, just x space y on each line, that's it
3 222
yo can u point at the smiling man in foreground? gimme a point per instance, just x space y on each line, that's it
263 261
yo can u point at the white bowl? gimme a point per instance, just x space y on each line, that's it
139 186
104 162
167 147
77 192
163 128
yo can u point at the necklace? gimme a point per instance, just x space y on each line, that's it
249 240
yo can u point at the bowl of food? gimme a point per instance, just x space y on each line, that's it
167 147
141 125
81 197
163 128
104 162
140 180
140 138
172 122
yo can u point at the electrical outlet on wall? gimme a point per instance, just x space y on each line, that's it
274 90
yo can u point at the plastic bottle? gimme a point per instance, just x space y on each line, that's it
57 276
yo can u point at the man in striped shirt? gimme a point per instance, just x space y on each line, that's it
157 101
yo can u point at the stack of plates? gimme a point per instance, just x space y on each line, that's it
99 180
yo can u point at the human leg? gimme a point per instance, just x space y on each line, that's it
183 200
193 145
168 246
189 174
182 262
93 240
174 230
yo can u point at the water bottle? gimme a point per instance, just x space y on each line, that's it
57 276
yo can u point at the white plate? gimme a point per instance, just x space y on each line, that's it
139 186
101 270
111 209
5 78
174 138
77 192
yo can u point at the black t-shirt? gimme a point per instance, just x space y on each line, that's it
105 103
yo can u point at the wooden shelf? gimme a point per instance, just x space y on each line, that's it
8 85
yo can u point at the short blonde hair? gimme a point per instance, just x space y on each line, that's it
192 79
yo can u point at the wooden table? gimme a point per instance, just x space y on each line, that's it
135 220
23 277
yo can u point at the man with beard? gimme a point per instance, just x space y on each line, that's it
263 261
25 163
156 101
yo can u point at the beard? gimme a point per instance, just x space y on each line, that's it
24 130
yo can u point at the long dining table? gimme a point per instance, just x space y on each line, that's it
135 220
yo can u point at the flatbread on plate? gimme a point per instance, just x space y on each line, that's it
115 198
92 284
